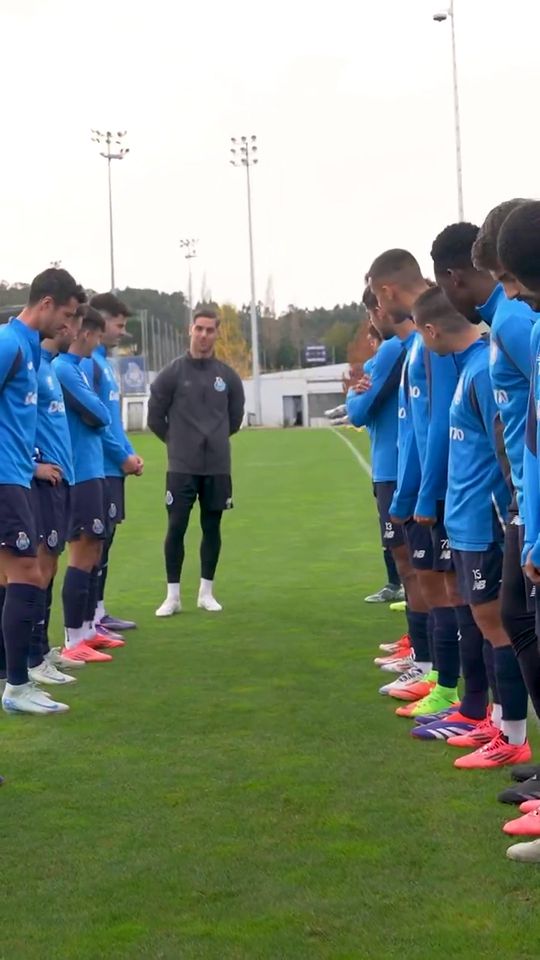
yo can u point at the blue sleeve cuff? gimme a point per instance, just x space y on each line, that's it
426 507
534 549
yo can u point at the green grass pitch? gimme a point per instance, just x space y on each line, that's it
232 787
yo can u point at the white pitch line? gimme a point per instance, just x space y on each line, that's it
363 463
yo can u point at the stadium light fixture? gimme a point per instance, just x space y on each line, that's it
244 153
113 149
189 246
442 17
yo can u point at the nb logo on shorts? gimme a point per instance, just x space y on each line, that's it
112 511
23 541
228 503
456 433
220 385
389 532
419 554
97 527
169 499
479 583
445 555
52 539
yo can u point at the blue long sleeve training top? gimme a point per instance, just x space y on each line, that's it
116 446
377 408
531 463
53 440
409 476
19 363
87 417
477 491
511 323
432 383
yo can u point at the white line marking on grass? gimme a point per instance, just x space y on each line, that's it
363 463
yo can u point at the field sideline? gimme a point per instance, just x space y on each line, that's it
232 787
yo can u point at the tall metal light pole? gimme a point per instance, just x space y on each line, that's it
244 154
190 248
113 150
441 18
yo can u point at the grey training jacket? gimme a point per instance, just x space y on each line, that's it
194 407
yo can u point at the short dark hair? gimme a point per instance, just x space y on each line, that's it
396 264
110 303
369 300
373 333
206 313
433 306
55 283
452 247
518 247
484 252
92 319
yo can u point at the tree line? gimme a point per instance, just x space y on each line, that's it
283 338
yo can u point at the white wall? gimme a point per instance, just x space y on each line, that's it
275 386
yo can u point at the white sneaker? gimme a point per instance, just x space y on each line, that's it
410 676
55 658
398 666
525 852
48 674
208 602
168 608
28 698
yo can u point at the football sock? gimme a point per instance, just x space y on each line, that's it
23 607
475 697
418 623
446 644
75 600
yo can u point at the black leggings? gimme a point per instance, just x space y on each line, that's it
179 513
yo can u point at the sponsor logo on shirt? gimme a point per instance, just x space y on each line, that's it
501 397
114 395
220 385
56 406
30 399
30 365
456 433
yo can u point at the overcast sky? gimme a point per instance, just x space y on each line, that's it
352 104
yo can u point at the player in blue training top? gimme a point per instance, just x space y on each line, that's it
52 303
398 282
120 459
518 250
373 403
476 501
386 275
475 292
87 417
51 486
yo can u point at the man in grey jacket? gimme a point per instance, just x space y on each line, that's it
196 404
